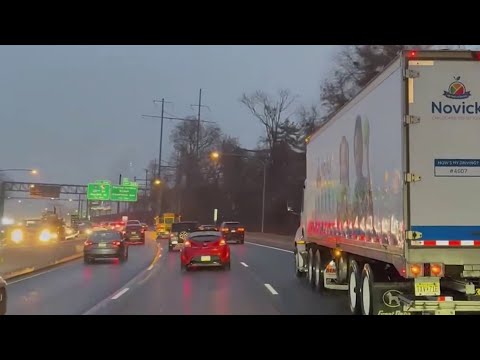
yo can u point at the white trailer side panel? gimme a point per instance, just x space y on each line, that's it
354 187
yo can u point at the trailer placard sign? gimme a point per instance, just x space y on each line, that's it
457 167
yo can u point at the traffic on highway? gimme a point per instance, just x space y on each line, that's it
364 203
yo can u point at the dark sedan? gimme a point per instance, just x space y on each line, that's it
233 231
134 234
105 244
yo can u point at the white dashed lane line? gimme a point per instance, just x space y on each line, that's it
120 293
244 264
271 289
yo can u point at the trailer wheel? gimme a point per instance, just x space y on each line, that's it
354 279
311 267
318 272
367 290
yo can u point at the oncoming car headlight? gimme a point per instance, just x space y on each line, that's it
45 235
69 231
88 231
17 236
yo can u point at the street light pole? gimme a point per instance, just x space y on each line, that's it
33 171
216 155
263 193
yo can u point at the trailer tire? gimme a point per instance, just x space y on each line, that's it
354 279
366 291
318 273
311 267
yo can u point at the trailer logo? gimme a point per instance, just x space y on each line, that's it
457 90
390 298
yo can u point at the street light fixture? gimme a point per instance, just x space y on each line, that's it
215 155
157 182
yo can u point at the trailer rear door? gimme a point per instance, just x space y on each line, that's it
444 150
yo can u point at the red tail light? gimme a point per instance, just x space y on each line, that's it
88 242
116 243
187 244
222 242
224 230
143 230
241 229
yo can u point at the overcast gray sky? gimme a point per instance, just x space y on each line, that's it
74 112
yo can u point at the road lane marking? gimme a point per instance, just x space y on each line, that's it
31 276
269 247
243 264
115 297
271 289
105 302
156 258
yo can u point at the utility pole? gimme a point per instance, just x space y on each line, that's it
199 121
161 139
162 117
118 202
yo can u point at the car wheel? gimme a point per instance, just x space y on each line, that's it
3 302
87 260
226 266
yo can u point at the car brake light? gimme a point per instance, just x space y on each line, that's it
88 242
116 243
187 244
476 54
225 229
143 230
222 242
241 229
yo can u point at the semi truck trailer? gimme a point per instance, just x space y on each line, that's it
391 203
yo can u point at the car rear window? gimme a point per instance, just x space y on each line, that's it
205 238
134 227
100 236
188 227
232 223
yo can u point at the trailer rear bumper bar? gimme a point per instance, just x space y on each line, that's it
438 307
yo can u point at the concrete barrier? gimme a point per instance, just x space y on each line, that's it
19 260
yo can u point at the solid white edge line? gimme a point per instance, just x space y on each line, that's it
271 289
269 247
243 264
120 293
31 276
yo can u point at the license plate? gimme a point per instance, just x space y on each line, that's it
102 245
234 230
205 258
134 233
427 286
174 242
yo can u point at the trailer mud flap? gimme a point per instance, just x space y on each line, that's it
385 298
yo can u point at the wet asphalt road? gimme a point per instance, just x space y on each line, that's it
261 281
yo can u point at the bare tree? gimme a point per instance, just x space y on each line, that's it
271 113
355 67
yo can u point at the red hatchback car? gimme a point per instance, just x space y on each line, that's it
204 249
